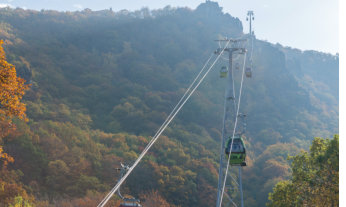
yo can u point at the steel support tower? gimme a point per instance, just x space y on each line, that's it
229 117
250 17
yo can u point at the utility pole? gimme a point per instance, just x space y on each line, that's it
229 112
250 17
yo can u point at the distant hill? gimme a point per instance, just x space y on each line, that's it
103 82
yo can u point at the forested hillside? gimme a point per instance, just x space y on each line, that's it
102 83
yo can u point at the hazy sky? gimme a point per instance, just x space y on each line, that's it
303 24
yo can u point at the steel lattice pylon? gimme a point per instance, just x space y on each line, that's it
227 126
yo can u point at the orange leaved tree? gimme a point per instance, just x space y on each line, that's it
12 89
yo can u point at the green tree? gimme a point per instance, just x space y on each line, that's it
315 177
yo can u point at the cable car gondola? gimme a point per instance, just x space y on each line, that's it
130 203
127 202
238 153
248 72
223 72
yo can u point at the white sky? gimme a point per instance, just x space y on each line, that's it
342 104
303 24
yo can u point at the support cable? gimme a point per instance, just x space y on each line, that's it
181 99
159 132
164 123
251 49
235 125
235 104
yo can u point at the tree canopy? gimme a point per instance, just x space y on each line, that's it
315 177
12 89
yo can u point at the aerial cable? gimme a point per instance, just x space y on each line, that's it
251 48
164 123
235 126
182 98
221 56
163 127
235 104
234 129
105 200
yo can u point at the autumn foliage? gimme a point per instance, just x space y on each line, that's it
101 86
12 89
315 177
154 199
